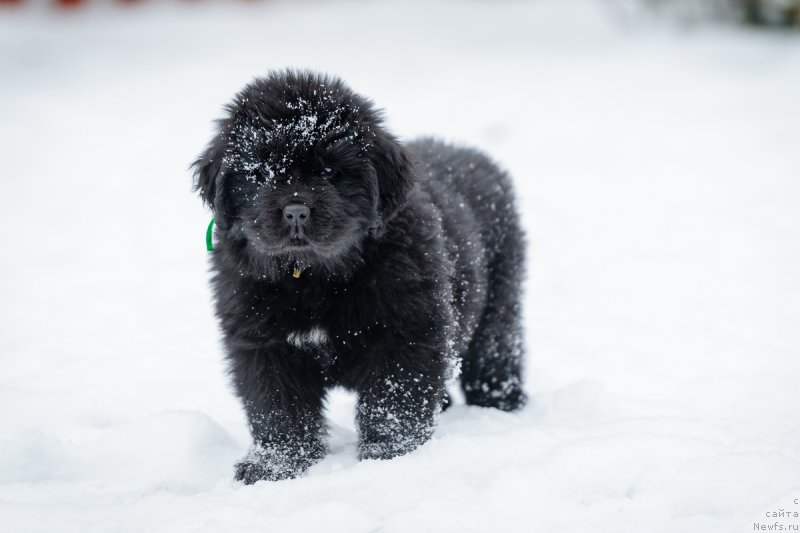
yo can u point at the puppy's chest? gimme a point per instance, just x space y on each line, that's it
316 316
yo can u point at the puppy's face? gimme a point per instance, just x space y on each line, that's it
300 184
301 169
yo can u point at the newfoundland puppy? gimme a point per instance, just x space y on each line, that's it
346 258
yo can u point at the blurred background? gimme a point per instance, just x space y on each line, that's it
772 13
654 145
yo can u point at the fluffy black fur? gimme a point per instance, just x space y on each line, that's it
410 261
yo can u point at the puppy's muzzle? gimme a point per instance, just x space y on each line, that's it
296 215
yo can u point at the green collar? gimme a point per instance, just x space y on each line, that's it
209 235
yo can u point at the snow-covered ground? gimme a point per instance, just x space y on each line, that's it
660 183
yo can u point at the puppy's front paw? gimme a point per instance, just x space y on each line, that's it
271 464
387 449
248 472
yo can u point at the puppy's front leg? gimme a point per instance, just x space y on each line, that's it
283 398
396 408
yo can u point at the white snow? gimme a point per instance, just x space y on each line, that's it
659 177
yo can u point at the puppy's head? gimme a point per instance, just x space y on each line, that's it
301 170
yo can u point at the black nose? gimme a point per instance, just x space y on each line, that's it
296 214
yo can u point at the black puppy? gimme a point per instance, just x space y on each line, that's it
345 258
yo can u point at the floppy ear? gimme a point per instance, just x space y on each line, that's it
209 181
395 171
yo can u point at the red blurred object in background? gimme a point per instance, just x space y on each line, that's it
65 3
73 3
69 4
62 3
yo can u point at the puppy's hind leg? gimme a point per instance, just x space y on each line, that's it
492 365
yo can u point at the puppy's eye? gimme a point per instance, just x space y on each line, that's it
262 175
328 171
